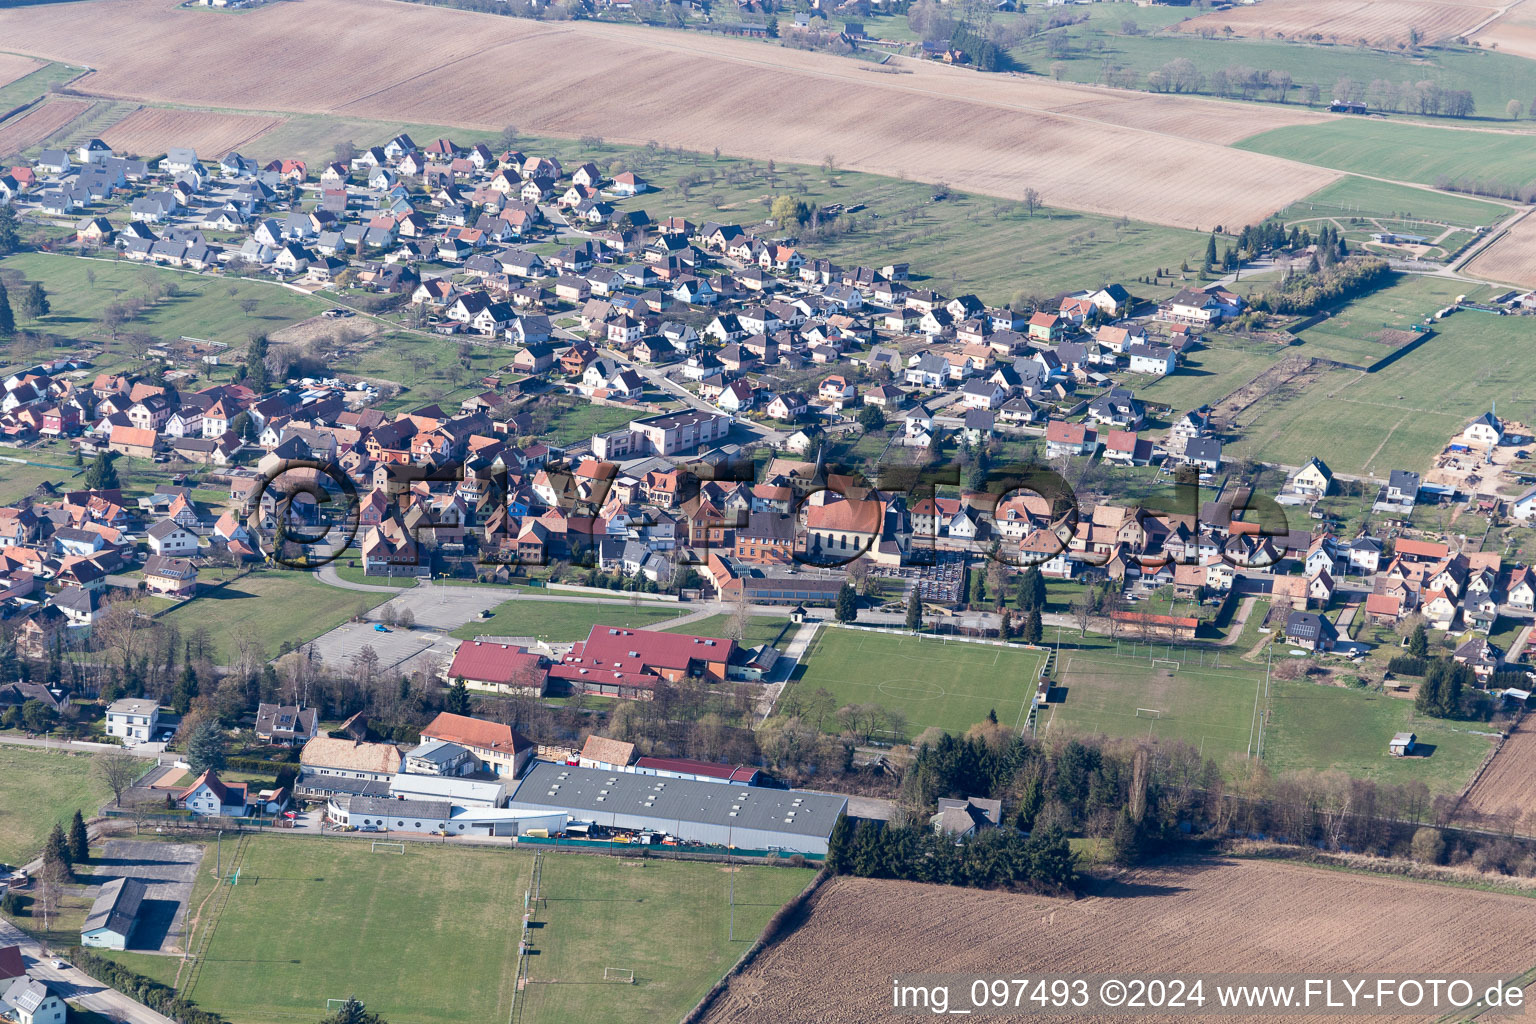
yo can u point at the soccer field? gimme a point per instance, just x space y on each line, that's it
430 936
425 937
665 923
1173 699
944 682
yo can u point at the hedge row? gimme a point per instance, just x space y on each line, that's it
1407 665
151 993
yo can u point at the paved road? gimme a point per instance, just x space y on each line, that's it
75 985
146 750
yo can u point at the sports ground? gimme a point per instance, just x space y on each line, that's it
934 681
1208 700
429 934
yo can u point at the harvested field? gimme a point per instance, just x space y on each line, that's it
1229 916
983 133
1504 796
1514 31
38 124
1511 259
14 66
149 131
1379 22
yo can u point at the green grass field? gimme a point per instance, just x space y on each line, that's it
761 629
428 936
432 935
1353 195
563 620
1318 728
207 307
1402 415
668 922
1081 53
38 788
18 481
1407 152
951 685
1173 700
272 605
1214 369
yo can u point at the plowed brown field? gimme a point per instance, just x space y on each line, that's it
1505 794
1379 22
1514 31
1229 917
38 124
151 130
1160 159
1511 259
14 66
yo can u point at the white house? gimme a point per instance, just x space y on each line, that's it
133 720
168 538
1487 429
31 1002
1155 359
211 797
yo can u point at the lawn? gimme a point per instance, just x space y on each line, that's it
1354 196
1162 693
948 684
38 788
353 573
1324 727
761 629
563 620
206 307
1402 415
17 481
1405 151
1211 371
425 937
271 605
669 922
30 87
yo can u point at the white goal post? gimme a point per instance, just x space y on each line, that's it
1171 665
623 974
331 1005
1149 713
386 846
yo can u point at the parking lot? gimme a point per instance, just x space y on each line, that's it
169 870
397 649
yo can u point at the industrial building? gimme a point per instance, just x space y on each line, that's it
382 814
706 812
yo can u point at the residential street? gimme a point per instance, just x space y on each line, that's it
75 985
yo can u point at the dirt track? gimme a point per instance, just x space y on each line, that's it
1235 916
1157 158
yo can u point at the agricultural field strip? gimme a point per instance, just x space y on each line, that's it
682 95
151 130
1378 21
1227 916
38 124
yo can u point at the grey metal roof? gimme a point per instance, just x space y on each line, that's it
26 994
587 791
116 908
388 807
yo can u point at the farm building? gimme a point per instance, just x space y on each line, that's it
110 923
1402 744
705 812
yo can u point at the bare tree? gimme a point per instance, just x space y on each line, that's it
1082 608
51 880
118 769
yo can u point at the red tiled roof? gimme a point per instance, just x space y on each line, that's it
494 663
474 732
644 650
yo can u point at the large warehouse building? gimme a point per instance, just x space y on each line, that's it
747 817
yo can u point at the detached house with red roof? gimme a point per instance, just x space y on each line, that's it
210 797
500 748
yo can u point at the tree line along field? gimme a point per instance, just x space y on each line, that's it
1229 916
948 684
997 136
432 935
1100 50
1402 150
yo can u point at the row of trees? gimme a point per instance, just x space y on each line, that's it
1323 284
989 859
1425 97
